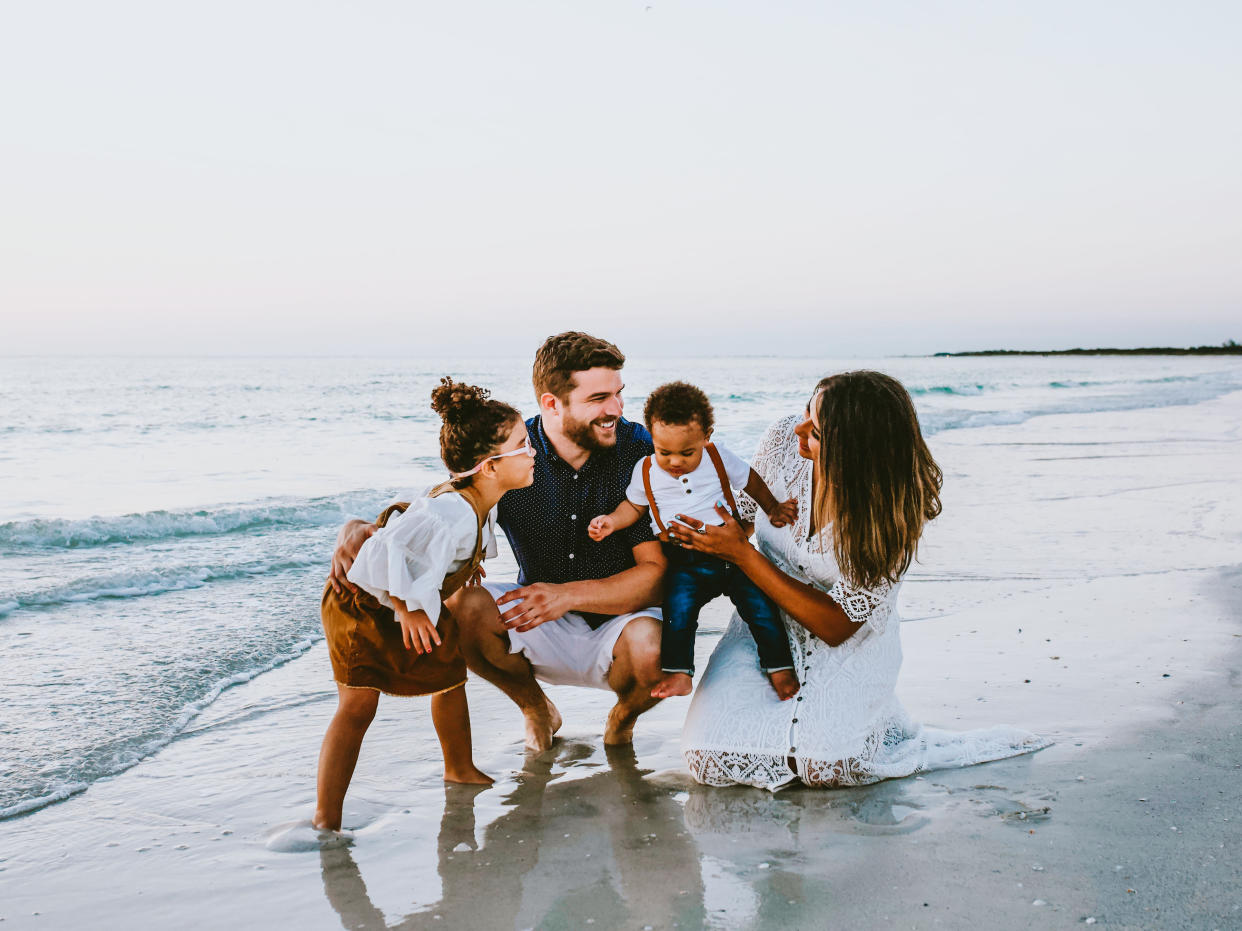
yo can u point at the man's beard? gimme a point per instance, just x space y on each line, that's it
582 432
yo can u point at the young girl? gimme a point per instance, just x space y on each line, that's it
394 634
688 474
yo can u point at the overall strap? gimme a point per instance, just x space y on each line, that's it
388 512
651 502
723 476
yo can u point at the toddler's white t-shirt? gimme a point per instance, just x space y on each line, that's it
694 494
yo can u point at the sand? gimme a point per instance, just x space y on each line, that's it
1085 582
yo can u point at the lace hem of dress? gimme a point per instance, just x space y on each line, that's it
891 751
770 771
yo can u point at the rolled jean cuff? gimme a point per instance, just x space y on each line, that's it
769 671
689 672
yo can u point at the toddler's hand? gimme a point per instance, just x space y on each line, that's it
600 527
784 513
419 634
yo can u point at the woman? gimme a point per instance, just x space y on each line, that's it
866 484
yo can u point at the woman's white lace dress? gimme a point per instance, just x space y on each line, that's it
845 726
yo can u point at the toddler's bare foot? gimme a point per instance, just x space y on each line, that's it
678 683
785 683
470 775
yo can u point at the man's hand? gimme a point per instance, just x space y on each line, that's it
600 527
348 542
540 602
784 513
419 634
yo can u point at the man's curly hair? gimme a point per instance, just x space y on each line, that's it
677 403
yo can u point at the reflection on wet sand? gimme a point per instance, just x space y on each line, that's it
608 847
615 849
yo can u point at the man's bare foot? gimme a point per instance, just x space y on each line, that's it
620 727
785 683
541 726
680 683
555 714
468 776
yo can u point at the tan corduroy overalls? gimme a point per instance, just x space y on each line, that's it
364 637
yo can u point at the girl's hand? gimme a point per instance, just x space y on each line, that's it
419 634
600 527
477 577
728 541
784 513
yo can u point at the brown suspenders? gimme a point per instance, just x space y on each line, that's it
710 449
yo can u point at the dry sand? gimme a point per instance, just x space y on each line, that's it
1085 582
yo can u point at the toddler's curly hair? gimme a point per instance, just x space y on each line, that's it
677 403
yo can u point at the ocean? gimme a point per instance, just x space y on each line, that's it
165 524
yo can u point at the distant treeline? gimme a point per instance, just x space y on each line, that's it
1229 348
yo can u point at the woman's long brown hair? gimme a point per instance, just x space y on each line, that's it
876 479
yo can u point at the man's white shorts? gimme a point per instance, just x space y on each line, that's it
566 651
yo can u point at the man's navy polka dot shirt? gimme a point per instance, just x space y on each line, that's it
546 522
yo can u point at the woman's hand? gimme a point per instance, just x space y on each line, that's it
417 631
728 541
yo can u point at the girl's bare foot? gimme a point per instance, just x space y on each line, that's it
679 683
471 776
785 683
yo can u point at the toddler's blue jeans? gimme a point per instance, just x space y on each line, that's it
691 581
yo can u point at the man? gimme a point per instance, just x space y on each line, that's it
580 612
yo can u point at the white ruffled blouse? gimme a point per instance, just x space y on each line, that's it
411 555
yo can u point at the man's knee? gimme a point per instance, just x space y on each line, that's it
475 610
638 648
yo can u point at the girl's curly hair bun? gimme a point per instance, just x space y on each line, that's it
456 402
474 425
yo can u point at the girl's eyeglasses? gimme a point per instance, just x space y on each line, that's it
525 448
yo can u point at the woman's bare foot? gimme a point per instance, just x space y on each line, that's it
542 726
785 683
680 683
471 776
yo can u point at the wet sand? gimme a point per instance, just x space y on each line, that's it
1085 582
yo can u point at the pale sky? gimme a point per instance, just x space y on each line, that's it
407 178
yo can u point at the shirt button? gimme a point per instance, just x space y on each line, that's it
792 749
573 516
799 698
571 555
575 476
689 491
685 481
795 720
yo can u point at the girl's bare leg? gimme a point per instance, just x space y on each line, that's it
451 717
339 754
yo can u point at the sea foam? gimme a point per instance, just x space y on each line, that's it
56 533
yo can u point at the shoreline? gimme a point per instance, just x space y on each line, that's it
1108 620
1229 349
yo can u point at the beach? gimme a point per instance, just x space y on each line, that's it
1084 582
